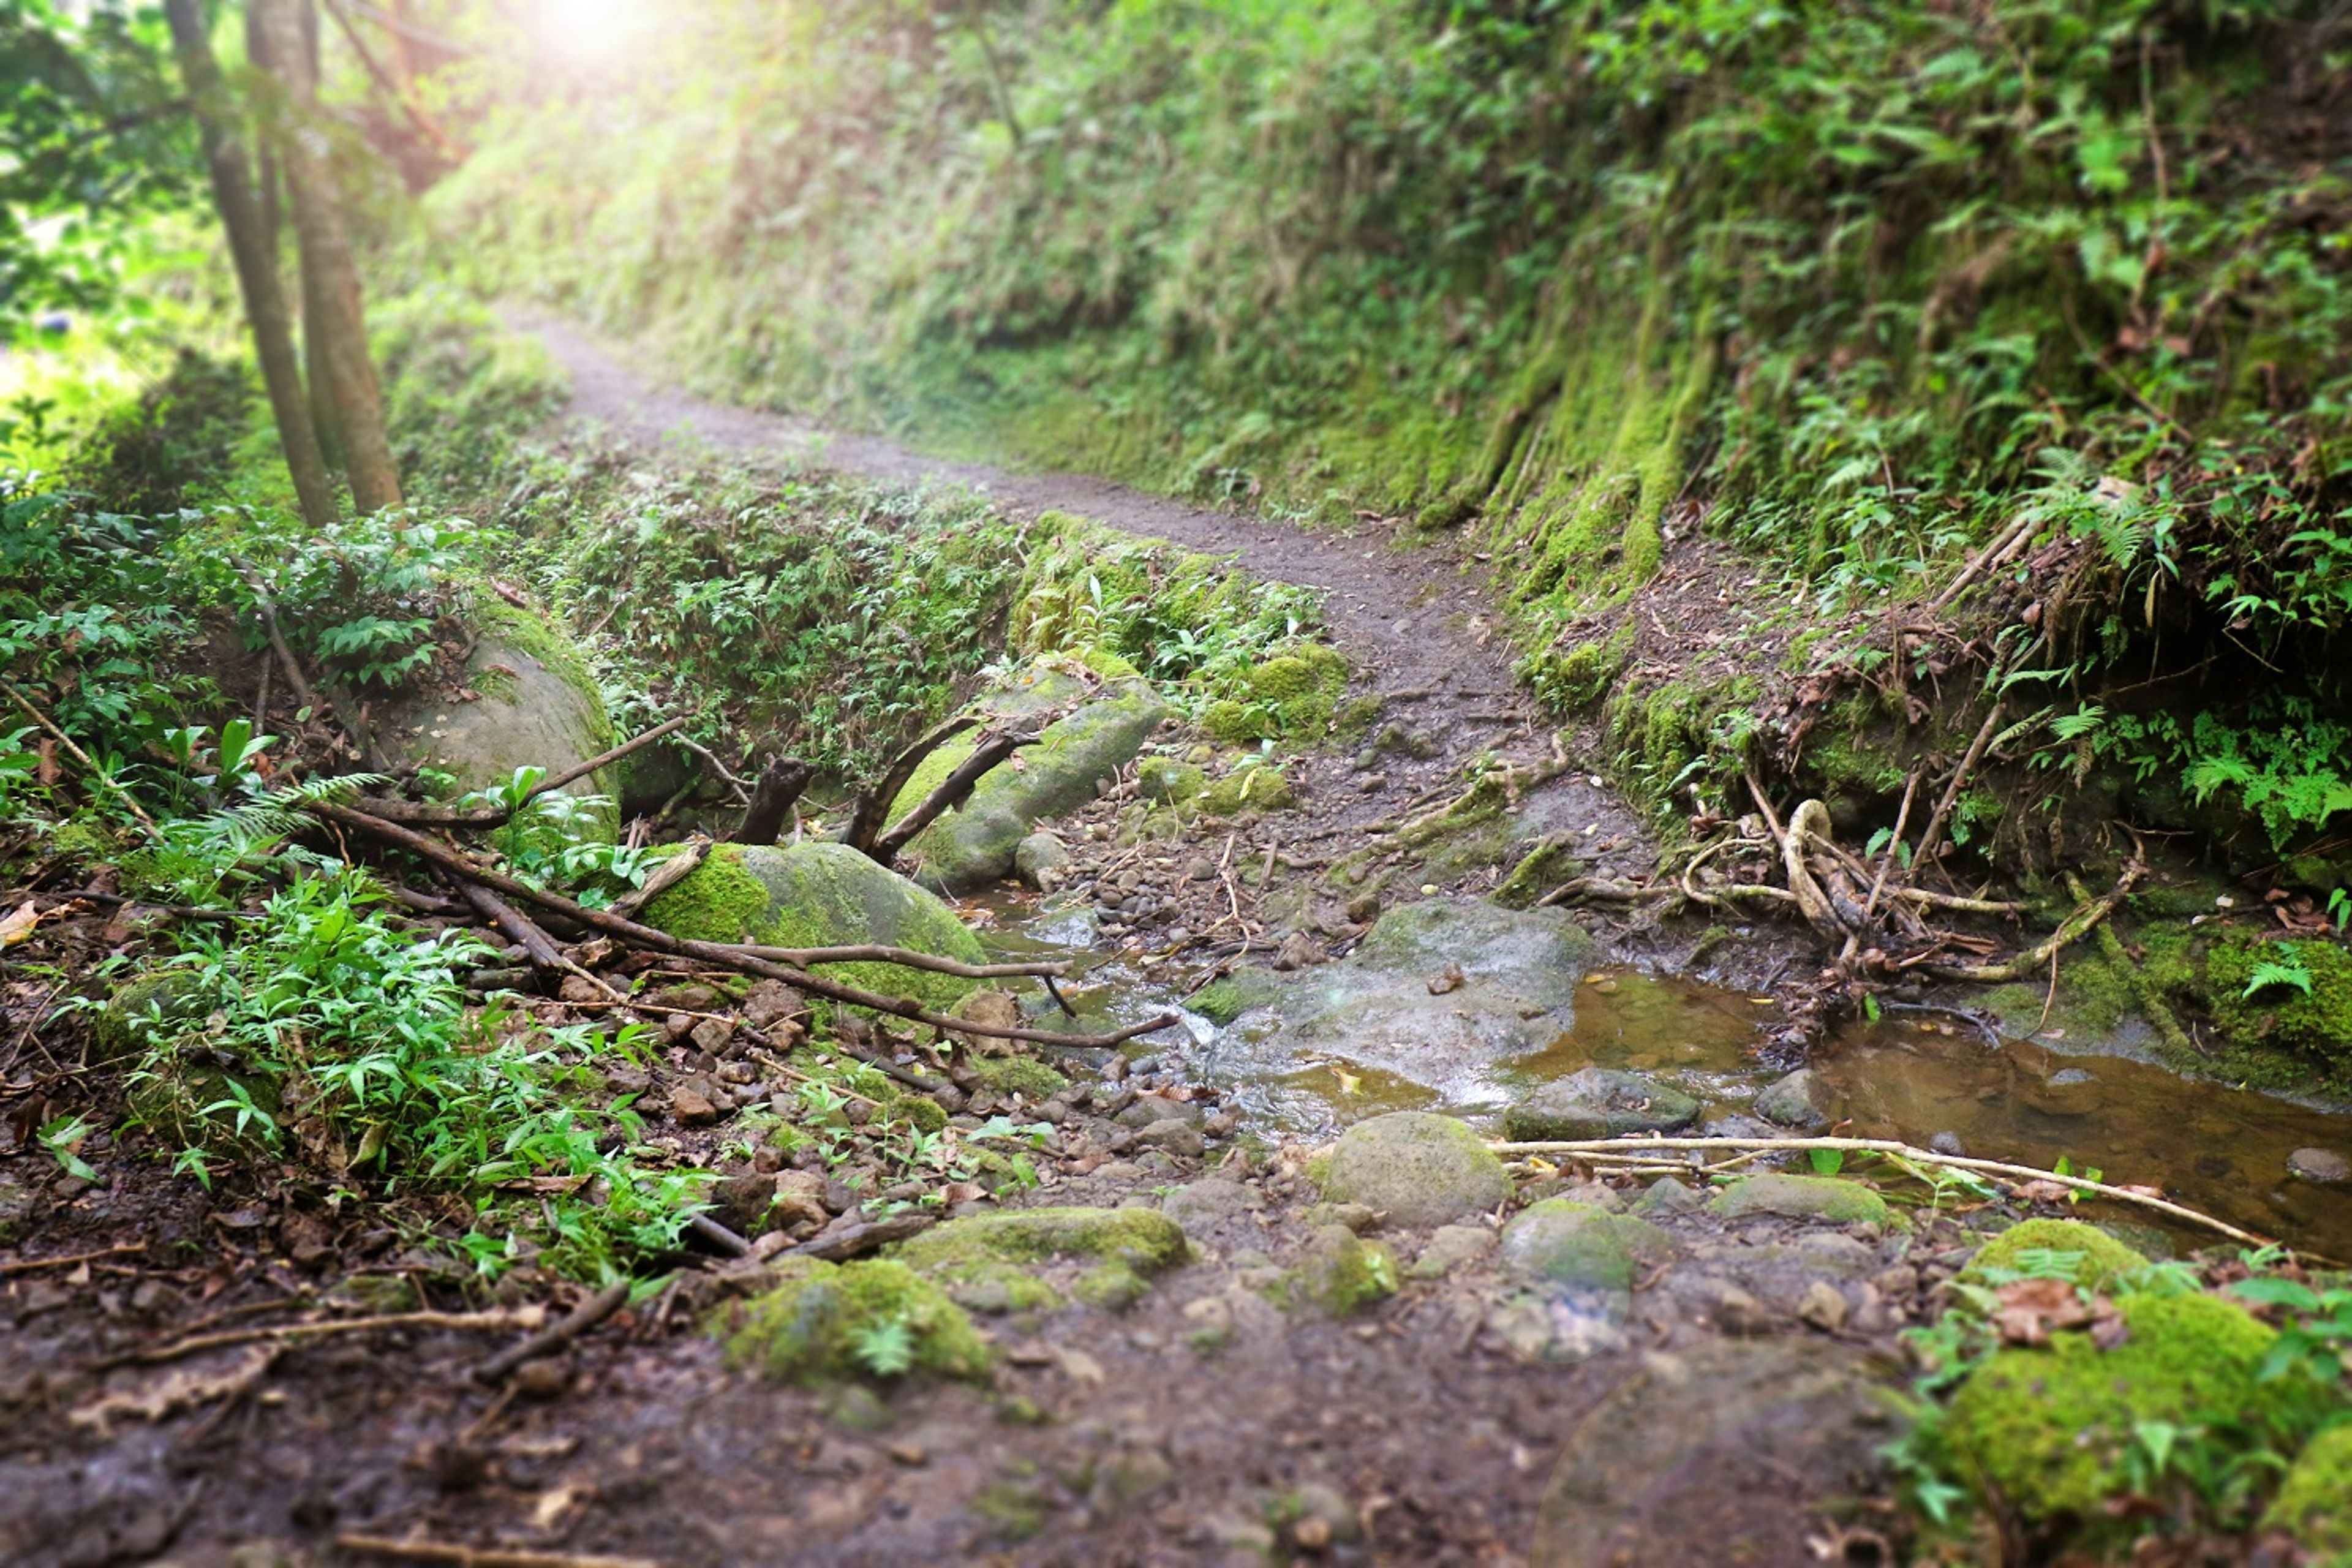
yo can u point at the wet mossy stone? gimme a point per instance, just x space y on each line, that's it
2046 1432
985 1260
1599 1102
145 1006
1167 781
1561 1242
2100 1257
821 894
538 705
975 845
1794 1103
1830 1198
1417 1168
1374 1008
1259 786
2314 1503
810 1326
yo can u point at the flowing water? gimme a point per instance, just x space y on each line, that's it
2209 1145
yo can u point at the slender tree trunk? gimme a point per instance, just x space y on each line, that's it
257 269
331 276
265 161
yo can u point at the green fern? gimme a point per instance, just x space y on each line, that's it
884 1348
2289 970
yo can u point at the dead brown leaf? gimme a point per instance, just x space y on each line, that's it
2031 1309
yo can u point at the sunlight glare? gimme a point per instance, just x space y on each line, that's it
590 32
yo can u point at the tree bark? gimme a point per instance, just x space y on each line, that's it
257 269
331 277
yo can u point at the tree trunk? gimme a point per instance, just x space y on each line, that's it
331 277
257 269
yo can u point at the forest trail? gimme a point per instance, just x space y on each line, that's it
1413 616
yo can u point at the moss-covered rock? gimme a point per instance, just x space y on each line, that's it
2314 1503
1016 1074
1302 688
987 1261
1561 1242
2100 1257
538 705
2317 1026
817 1322
1340 1272
821 894
1599 1102
1831 1198
2045 1432
975 845
1416 1167
1258 787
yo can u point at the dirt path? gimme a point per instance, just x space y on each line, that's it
1412 616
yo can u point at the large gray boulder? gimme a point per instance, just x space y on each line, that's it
526 700
1416 1168
1393 1004
821 894
1107 721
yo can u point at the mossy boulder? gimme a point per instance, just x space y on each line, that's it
1340 1272
975 845
2314 1503
1830 1198
1302 686
2100 1256
1167 781
2045 1432
2317 1026
537 706
987 1260
1599 1102
821 894
1375 1008
1417 1168
1575 1246
811 1325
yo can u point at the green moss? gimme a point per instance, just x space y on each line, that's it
1575 1245
2045 1432
82 841
1355 717
2102 1258
719 901
1111 1287
1340 1273
808 1327
1231 721
2280 1018
1580 674
1220 1002
1302 686
1259 787
1169 781
1019 1073
919 1111
2314 1503
1143 1239
498 621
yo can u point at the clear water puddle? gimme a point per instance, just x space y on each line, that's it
2215 1147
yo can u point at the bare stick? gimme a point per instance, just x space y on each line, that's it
32 1265
1882 1146
2001 542
480 1556
555 1336
1929 839
666 876
866 824
992 748
520 928
888 1068
475 1322
905 958
716 953
710 760
851 1240
1893 844
292 667
719 1235
95 772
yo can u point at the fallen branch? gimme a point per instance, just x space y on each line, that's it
735 787
1883 1146
2076 926
480 1556
852 1240
468 1323
954 790
666 876
556 1335
905 958
772 802
1931 840
520 928
873 810
33 1265
719 1235
888 1068
717 953
2015 530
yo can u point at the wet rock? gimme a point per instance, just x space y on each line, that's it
1173 1137
2322 1165
1146 1109
1792 1103
1823 1306
1358 1217
1298 951
1452 1246
1562 1325
821 894
1039 861
1373 1007
1827 1198
1948 1143
1599 1102
1666 1195
1342 1273
691 1106
1417 1168
1556 1242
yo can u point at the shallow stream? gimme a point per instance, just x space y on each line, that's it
2213 1147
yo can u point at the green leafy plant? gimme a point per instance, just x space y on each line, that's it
2285 971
